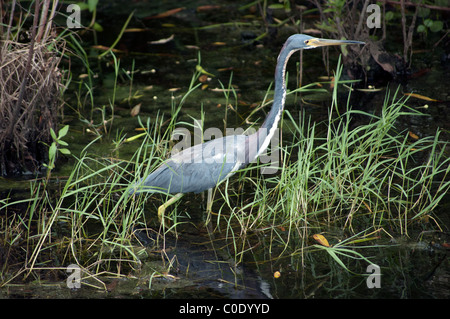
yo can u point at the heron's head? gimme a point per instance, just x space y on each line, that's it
303 41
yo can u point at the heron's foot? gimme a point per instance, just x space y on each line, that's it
162 208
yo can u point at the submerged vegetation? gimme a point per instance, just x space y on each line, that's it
373 182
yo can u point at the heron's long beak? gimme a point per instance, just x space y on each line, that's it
317 42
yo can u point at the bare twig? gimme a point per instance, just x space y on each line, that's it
26 72
43 20
11 17
402 10
50 20
407 36
361 20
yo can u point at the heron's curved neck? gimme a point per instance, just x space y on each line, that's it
270 125
279 98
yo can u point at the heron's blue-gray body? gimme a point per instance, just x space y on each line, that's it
198 168
204 166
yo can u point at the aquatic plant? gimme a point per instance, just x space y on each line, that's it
373 175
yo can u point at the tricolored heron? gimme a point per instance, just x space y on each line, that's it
204 166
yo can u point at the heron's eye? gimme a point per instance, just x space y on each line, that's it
306 42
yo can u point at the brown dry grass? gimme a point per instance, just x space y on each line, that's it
30 95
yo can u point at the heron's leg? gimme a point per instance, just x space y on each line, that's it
162 208
209 201
208 211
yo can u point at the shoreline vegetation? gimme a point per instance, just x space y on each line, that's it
374 182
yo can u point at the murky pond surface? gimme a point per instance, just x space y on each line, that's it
203 263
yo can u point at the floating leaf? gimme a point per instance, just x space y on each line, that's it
422 97
208 7
106 49
382 58
203 78
165 14
413 136
225 69
421 72
321 240
136 109
135 30
370 89
163 41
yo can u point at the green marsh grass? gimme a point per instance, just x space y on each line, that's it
88 218
369 177
372 176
